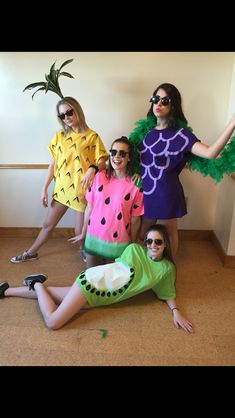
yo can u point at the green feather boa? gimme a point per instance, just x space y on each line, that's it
224 163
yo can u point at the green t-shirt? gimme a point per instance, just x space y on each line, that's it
145 274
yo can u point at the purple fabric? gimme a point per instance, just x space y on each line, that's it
163 155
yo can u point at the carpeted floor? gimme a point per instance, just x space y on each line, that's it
137 332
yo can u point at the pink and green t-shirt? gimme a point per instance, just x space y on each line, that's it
113 202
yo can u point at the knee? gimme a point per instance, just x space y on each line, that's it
47 227
51 323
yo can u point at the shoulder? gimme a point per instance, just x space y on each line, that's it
188 133
57 136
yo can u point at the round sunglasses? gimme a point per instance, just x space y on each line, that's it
149 241
165 101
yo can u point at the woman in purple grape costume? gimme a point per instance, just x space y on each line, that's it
163 152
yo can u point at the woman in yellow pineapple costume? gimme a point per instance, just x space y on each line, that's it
77 154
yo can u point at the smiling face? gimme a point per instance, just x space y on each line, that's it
119 157
155 245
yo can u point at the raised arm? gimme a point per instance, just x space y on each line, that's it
178 319
211 151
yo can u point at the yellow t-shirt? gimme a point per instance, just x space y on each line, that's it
73 153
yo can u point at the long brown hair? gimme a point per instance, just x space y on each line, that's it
122 140
176 105
163 231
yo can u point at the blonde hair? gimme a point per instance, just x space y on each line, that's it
73 103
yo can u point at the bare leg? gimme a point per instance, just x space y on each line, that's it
56 316
79 219
172 229
56 293
94 260
55 213
144 226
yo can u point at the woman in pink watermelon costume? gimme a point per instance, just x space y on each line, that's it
112 217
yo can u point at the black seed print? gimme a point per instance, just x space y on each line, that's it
136 206
132 275
131 269
82 275
126 286
103 221
83 282
109 294
119 216
107 201
98 293
120 290
127 197
127 226
89 189
114 293
115 234
141 189
89 222
93 290
88 287
100 188
103 294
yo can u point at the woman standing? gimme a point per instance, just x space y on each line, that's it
77 154
114 209
163 153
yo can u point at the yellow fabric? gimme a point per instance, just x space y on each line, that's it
73 153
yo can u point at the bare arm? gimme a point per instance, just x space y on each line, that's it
82 236
90 173
47 182
135 228
178 319
211 151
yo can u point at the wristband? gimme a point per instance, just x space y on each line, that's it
95 167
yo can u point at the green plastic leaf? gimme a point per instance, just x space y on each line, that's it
65 63
42 88
31 86
52 83
104 332
66 74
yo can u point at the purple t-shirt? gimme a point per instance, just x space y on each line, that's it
163 155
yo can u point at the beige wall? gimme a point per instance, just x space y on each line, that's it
114 90
225 205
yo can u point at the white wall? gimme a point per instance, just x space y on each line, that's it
225 205
114 90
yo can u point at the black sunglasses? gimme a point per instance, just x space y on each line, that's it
164 100
149 241
69 112
121 153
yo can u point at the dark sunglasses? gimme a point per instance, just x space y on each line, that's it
149 241
69 112
164 100
121 153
